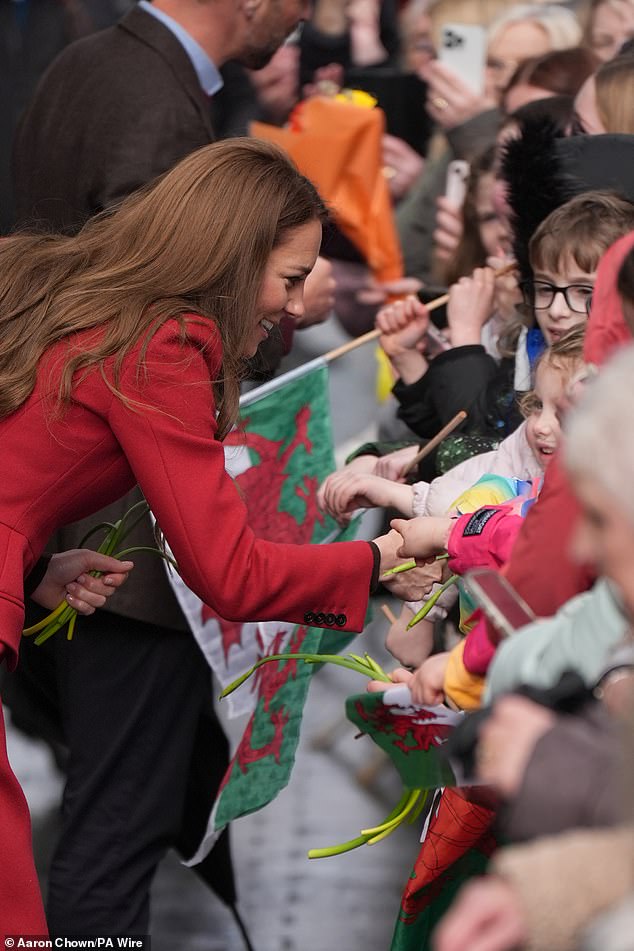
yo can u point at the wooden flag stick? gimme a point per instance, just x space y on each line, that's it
431 445
375 334
388 613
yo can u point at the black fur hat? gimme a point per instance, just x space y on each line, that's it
544 170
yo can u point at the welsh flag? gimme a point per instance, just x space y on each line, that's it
278 457
457 845
457 840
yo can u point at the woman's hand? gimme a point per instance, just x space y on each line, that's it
486 916
470 306
428 682
424 537
450 101
410 585
403 165
67 577
448 230
277 84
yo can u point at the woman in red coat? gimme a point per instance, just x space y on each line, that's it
120 360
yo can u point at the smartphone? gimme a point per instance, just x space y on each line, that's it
463 49
499 601
456 182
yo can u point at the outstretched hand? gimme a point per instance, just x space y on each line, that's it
68 577
424 537
342 493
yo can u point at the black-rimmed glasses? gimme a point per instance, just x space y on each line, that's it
540 295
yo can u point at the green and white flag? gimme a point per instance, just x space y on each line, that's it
279 456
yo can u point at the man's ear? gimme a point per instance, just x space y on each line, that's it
251 7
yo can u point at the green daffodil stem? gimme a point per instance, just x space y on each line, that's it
420 805
71 627
426 608
49 619
121 555
351 662
60 621
115 534
406 566
360 840
410 798
331 850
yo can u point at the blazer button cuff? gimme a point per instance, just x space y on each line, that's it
319 619
330 620
309 617
341 619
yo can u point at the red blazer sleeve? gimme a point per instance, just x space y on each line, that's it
170 443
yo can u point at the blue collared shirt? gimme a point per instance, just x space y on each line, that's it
206 70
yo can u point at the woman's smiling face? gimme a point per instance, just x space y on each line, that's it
282 288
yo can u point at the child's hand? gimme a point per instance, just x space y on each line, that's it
344 492
507 292
410 648
423 537
427 684
470 306
403 325
392 465
398 676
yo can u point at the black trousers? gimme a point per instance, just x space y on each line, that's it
133 705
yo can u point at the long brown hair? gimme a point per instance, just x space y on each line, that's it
614 83
196 241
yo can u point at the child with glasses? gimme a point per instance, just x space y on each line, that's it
564 253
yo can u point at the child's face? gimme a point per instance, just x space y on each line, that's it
555 312
542 425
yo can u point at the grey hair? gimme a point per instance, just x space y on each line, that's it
559 23
599 441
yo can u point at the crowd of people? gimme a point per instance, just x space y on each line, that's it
160 256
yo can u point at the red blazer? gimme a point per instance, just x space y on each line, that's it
61 467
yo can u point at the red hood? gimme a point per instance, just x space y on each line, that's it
607 329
